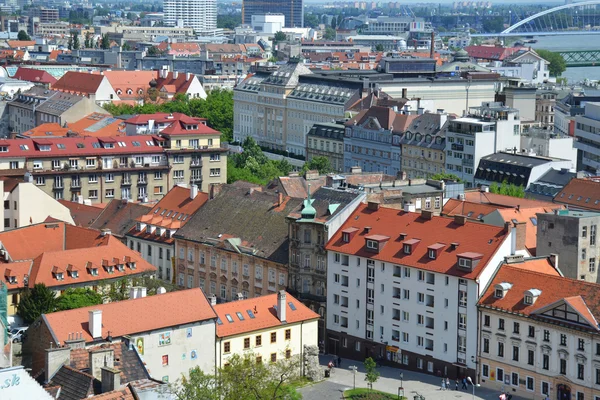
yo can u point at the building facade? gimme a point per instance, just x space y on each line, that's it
326 140
538 334
400 292
545 101
200 15
293 11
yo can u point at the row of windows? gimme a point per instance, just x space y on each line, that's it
258 340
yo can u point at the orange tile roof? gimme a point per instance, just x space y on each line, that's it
20 43
468 209
582 296
472 237
526 215
121 394
17 269
49 129
477 196
133 316
87 126
173 85
265 315
580 193
29 242
135 81
79 82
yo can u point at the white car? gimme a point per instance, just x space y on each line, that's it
16 334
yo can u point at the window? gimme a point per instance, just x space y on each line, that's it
246 343
581 344
405 337
531 331
592 235
110 193
580 371
546 335
516 327
563 366
514 379
357 346
273 357
215 172
486 345
500 349
545 362
288 353
406 272
485 371
273 337
462 321
500 374
530 357
93 194
501 324
421 275
227 347
288 334
584 232
597 376
530 383
545 388
486 320
515 356
93 178
563 339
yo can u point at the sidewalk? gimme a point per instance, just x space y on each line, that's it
414 382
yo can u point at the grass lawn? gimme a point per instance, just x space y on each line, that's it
366 394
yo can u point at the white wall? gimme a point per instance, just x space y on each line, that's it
17 384
154 259
202 340
195 90
105 90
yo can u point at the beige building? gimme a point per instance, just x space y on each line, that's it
281 328
422 146
545 101
538 333
236 243
327 140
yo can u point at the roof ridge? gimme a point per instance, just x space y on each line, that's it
513 266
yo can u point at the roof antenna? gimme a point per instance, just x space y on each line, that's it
255 311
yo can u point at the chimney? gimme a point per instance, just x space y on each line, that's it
161 290
427 214
520 235
193 191
279 199
187 76
460 219
110 378
239 296
432 46
105 232
175 74
409 207
404 93
56 357
214 190
281 306
355 170
100 357
554 260
95 323
212 299
373 205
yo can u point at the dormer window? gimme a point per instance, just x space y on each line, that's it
407 249
376 242
120 267
12 279
139 227
465 262
110 269
434 250
468 260
411 245
345 237
531 295
59 276
348 234
58 273
75 274
501 289
372 244
131 265
94 271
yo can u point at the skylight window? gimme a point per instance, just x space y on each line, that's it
228 317
135 144
533 221
25 147
219 322
239 315
80 145
292 306
149 143
61 146
250 314
96 145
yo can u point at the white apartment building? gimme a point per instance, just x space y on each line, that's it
486 130
539 334
587 142
272 327
403 288
201 15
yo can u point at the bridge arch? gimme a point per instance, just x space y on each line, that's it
550 11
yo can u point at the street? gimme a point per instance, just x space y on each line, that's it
413 382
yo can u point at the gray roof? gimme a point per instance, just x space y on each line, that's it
288 75
74 385
322 93
328 202
550 184
425 131
557 177
47 101
327 130
250 215
119 216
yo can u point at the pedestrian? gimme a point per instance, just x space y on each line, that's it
464 383
456 384
443 384
339 360
448 383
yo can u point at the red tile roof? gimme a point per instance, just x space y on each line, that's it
18 270
138 82
472 237
80 146
79 82
179 128
49 129
29 242
90 126
179 48
174 85
134 316
468 209
527 215
265 315
17 44
496 53
580 193
120 394
161 118
34 75
582 296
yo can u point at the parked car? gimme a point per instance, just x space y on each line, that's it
17 333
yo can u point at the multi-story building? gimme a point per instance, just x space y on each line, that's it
548 143
172 332
310 228
152 236
326 140
486 130
573 235
236 243
271 336
539 332
423 146
200 15
569 107
587 127
370 143
403 287
580 193
293 11
39 105
545 101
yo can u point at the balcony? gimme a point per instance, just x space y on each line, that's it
58 186
126 182
196 163
194 179
142 181
75 184
467 163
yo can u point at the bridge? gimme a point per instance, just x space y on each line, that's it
583 58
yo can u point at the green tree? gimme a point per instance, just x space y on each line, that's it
320 163
243 378
493 24
105 42
311 20
445 177
131 16
76 44
229 21
87 43
35 302
22 35
507 189
77 298
557 62
329 34
280 36
70 43
153 51
379 47
126 47
372 375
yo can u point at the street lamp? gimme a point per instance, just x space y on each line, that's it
473 384
401 379
354 368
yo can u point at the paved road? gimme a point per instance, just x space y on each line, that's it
426 385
